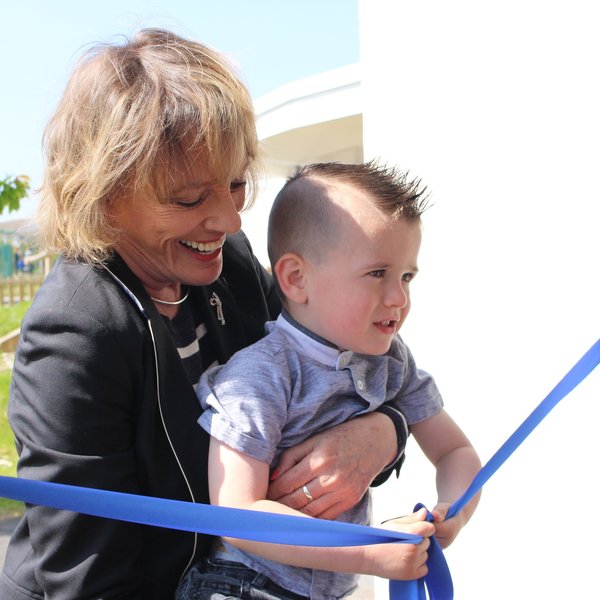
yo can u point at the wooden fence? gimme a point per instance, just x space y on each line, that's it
19 289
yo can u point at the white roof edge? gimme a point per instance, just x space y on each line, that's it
342 77
328 96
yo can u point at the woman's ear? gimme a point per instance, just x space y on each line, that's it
290 271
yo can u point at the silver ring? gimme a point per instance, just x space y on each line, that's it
307 493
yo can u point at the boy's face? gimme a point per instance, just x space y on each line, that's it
358 292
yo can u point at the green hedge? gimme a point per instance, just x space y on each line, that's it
10 319
11 316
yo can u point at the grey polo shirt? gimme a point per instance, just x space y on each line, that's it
292 384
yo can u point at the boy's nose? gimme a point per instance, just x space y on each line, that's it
397 295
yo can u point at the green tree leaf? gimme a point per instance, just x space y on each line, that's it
12 191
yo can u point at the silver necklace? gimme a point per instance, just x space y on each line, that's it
176 302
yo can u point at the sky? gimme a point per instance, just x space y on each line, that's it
273 42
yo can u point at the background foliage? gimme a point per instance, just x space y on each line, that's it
10 319
11 316
12 190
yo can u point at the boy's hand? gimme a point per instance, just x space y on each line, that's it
403 561
399 523
446 531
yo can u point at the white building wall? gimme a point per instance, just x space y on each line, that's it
314 119
496 107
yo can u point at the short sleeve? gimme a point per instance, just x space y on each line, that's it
244 402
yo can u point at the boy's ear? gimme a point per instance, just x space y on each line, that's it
290 271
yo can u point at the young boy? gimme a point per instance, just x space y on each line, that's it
343 243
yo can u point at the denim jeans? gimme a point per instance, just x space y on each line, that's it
217 579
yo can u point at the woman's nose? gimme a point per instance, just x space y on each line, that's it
226 216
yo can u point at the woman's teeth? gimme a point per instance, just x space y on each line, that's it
204 247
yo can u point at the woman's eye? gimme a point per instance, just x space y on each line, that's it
191 203
236 186
408 277
377 273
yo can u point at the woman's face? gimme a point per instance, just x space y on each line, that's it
178 240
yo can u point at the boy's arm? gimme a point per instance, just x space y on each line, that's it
456 463
239 481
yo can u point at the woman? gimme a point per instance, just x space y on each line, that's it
149 155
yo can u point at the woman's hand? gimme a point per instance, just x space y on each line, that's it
335 467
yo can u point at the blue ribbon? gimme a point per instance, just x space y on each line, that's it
285 529
438 581
200 518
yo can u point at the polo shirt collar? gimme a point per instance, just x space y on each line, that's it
310 344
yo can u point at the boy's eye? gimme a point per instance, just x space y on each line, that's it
408 277
377 273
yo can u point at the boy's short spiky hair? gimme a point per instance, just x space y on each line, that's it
300 221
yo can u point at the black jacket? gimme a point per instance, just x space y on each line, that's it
86 410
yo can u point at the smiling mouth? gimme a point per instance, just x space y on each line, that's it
203 247
389 323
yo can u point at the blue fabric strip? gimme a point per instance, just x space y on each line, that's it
284 529
584 366
438 581
201 518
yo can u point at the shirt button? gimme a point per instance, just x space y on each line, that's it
360 384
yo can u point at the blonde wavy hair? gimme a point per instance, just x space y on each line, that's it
132 113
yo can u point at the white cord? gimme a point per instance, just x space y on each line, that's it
162 418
